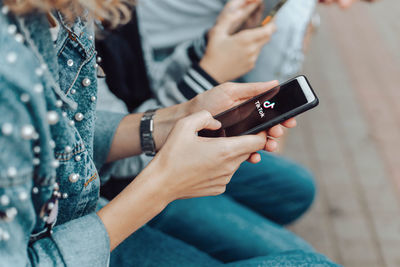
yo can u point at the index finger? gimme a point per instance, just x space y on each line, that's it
259 34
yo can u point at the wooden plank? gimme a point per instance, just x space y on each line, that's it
377 91
375 79
359 193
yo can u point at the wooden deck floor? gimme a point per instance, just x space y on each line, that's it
352 141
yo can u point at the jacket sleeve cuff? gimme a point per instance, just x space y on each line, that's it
106 126
83 246
195 81
198 48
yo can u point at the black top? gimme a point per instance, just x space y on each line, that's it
123 62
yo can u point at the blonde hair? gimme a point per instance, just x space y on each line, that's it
114 12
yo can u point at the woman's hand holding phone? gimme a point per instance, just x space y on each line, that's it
229 95
195 166
231 54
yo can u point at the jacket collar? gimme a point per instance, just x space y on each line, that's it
38 26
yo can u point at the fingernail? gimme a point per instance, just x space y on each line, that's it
248 2
217 122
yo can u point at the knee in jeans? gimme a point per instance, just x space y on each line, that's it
299 258
308 187
303 195
306 191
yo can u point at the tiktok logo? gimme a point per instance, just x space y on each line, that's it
268 105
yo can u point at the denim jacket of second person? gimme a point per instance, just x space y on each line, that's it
52 142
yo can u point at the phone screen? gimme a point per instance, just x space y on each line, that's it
259 110
271 7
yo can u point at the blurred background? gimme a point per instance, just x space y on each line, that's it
352 140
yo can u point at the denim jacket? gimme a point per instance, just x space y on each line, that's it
52 142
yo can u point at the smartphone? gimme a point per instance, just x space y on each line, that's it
271 8
266 110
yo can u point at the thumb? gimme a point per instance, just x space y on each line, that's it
245 91
203 120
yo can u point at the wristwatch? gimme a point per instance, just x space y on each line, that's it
146 133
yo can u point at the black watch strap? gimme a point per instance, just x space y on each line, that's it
146 133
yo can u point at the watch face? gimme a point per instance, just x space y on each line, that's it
146 133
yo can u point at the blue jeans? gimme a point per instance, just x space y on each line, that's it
242 227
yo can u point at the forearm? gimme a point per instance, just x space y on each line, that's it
126 142
137 204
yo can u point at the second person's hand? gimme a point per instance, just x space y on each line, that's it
230 55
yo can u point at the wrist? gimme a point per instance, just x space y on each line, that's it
158 177
153 182
212 70
136 205
166 119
